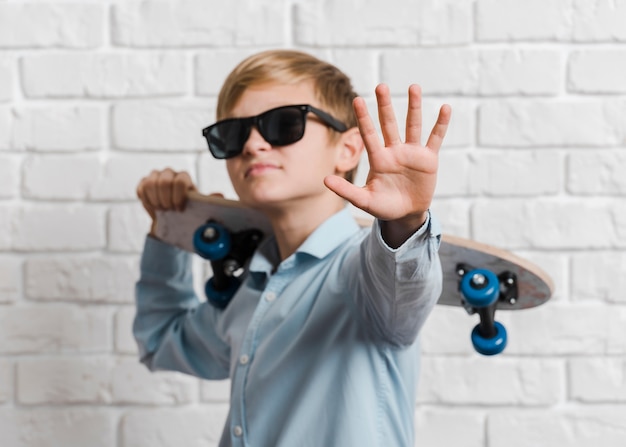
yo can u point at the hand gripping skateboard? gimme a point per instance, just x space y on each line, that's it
480 278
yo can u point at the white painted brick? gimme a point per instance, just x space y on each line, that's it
597 71
103 75
213 177
59 176
7 217
215 391
515 173
566 224
67 427
467 72
85 279
599 276
212 68
598 379
59 328
10 280
453 215
597 172
361 66
551 123
160 126
6 125
600 20
7 84
580 427
133 383
128 225
453 177
64 380
447 331
124 340
44 25
63 227
168 427
491 381
447 427
395 22
512 20
9 176
616 323
123 172
55 128
6 381
188 23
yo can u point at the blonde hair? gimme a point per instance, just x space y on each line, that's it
333 89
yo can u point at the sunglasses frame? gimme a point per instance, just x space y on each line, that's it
248 122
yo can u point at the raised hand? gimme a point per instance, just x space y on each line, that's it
402 178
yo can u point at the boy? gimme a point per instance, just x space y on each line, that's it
320 340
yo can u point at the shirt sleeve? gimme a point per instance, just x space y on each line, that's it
173 329
398 288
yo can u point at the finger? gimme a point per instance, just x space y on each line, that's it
149 191
414 116
164 188
181 186
440 128
386 116
359 197
366 125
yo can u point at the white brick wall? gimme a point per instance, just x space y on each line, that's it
95 94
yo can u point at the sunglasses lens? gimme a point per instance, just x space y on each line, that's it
282 126
226 139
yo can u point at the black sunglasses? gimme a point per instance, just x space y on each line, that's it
279 127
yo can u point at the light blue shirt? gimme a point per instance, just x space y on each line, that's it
320 348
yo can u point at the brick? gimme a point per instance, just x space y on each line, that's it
160 126
453 177
213 177
616 323
498 381
212 68
128 225
599 276
7 84
180 426
6 125
104 75
394 22
84 279
59 228
215 391
44 25
67 427
533 20
133 383
597 71
514 173
10 280
142 24
433 427
122 173
598 380
517 123
124 340
361 66
78 128
563 224
46 176
599 21
453 215
9 176
58 328
580 427
596 172
6 381
7 217
447 331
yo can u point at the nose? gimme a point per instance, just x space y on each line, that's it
255 142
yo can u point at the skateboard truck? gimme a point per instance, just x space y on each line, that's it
228 253
482 290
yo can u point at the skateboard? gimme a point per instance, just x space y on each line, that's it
478 277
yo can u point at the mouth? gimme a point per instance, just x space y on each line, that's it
257 169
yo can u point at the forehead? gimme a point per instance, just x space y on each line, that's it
257 99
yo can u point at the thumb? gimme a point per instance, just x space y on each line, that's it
346 190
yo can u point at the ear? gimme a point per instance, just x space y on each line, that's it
350 149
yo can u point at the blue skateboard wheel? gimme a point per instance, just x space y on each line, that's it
221 298
490 346
212 241
480 288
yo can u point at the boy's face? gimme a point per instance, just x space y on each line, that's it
267 175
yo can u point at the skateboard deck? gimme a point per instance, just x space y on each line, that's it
479 277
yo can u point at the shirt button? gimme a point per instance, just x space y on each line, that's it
237 431
270 296
244 359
